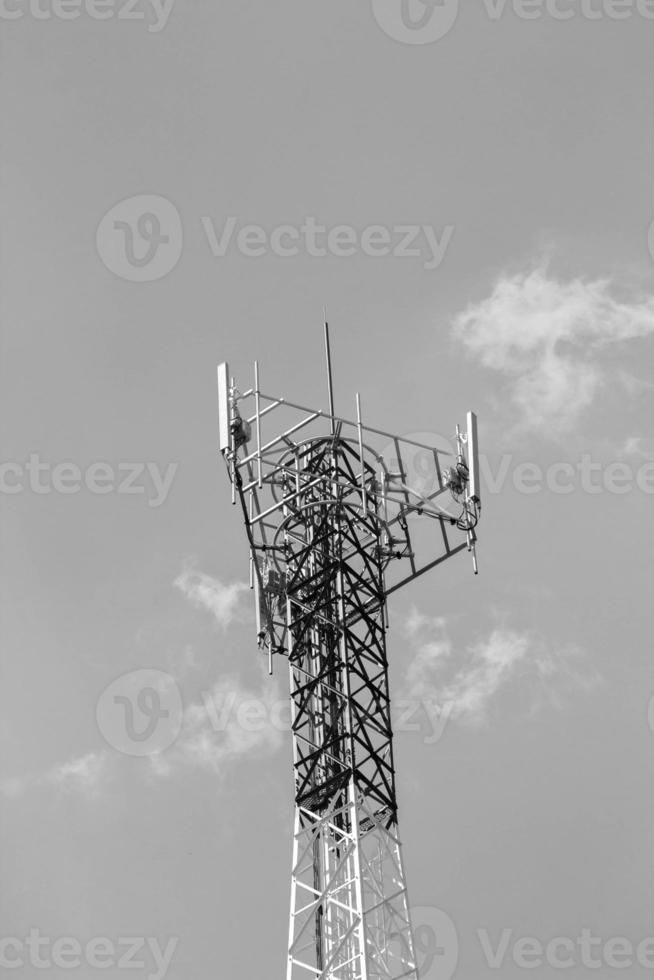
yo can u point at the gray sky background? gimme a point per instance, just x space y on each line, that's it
533 139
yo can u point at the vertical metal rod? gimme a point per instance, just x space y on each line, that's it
251 549
234 451
363 475
330 385
256 410
382 481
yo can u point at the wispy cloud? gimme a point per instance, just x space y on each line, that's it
465 682
216 730
545 335
229 723
637 446
83 775
205 592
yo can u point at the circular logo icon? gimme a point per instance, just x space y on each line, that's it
141 712
416 467
436 943
416 21
140 238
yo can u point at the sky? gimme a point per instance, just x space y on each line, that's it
468 190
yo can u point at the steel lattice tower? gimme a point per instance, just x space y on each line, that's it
327 516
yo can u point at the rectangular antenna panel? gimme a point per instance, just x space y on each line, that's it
223 407
473 457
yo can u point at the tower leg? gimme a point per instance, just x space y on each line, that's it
362 907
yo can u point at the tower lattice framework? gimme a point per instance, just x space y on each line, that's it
327 519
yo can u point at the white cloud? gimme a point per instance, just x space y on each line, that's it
465 683
491 664
228 724
81 774
216 731
417 621
221 600
637 446
545 336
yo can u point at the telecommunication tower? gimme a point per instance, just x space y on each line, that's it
331 521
